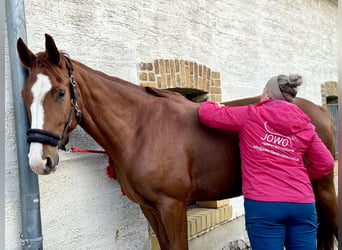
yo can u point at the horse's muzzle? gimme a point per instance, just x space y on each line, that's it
43 161
51 164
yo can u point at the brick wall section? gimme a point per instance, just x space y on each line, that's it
179 73
328 89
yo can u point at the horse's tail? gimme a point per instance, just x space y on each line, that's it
325 233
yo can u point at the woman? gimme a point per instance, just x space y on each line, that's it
274 136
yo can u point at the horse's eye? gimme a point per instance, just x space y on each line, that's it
61 93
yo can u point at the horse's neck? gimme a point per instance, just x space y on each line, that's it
107 109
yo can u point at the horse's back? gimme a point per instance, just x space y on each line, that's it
321 118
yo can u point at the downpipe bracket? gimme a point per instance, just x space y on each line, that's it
27 242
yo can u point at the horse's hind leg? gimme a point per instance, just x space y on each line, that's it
327 210
157 226
173 215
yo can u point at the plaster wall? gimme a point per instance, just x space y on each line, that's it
246 41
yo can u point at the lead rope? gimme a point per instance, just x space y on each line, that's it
110 168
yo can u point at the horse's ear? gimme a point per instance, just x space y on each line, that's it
51 50
25 55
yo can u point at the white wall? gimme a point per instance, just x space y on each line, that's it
247 41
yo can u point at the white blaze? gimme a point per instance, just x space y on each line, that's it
39 89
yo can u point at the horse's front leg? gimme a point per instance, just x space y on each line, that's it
173 216
155 221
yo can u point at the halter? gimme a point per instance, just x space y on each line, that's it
50 138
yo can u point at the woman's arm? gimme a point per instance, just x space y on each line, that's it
222 117
320 162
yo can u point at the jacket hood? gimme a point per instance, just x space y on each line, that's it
283 117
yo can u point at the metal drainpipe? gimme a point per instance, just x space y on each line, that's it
31 235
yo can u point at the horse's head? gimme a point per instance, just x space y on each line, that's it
51 102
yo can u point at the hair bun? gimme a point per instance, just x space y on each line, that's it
295 80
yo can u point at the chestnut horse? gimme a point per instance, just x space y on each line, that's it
164 157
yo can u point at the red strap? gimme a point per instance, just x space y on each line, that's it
74 149
110 168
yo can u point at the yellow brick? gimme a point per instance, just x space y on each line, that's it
215 75
201 221
154 242
148 84
221 214
213 204
189 230
228 212
207 217
213 218
215 90
193 229
198 222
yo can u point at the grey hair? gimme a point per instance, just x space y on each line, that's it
288 85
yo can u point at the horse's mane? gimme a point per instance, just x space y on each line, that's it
161 92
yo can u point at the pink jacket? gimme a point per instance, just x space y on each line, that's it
274 136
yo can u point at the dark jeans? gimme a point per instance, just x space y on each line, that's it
273 225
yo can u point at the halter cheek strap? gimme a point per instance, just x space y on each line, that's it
74 97
50 138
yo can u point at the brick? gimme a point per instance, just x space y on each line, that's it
213 217
215 90
195 75
218 98
213 204
173 73
143 76
217 83
159 82
217 215
163 74
191 82
215 75
206 220
142 66
228 212
222 217
204 79
169 83
187 76
193 229
200 220
182 74
149 66
178 80
156 67
189 229
151 77
167 66
148 84
177 65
